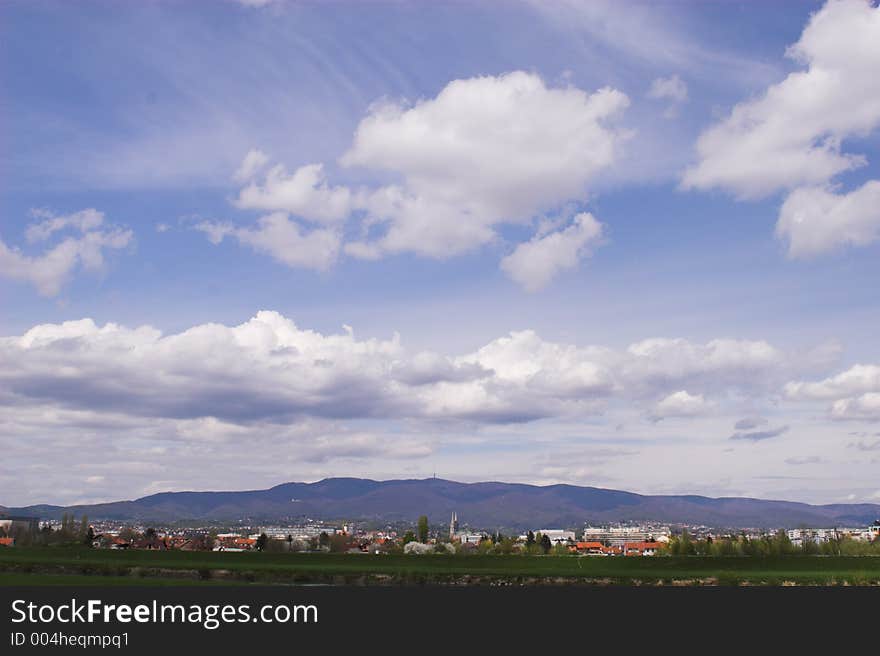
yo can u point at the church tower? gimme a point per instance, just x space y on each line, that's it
453 526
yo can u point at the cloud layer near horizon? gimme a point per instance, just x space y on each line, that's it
270 370
151 406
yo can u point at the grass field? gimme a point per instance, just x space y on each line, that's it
62 566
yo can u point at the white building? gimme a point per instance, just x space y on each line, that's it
557 535
617 536
469 538
820 535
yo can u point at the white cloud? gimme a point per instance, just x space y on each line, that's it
303 193
254 162
864 407
719 363
257 3
83 221
270 370
680 404
791 135
283 239
669 88
485 151
672 89
816 219
855 393
858 379
535 263
267 401
49 271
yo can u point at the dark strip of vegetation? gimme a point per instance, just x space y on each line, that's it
300 568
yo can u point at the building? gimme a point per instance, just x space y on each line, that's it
10 524
618 536
557 535
468 538
453 526
7 542
297 532
641 548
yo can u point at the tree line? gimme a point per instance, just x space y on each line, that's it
773 545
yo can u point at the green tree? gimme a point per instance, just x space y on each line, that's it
408 537
686 545
338 543
546 545
262 542
530 539
423 528
324 540
128 534
781 545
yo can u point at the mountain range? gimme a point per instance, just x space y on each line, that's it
483 505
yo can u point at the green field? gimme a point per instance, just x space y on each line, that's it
63 566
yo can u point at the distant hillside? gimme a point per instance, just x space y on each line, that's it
486 505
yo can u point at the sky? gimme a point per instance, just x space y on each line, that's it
627 245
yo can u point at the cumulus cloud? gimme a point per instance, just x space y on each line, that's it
303 193
283 239
486 150
791 135
858 379
680 404
865 407
759 436
790 138
816 219
268 400
254 162
535 263
672 89
717 364
854 393
269 369
50 270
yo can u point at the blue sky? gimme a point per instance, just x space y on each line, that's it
574 242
